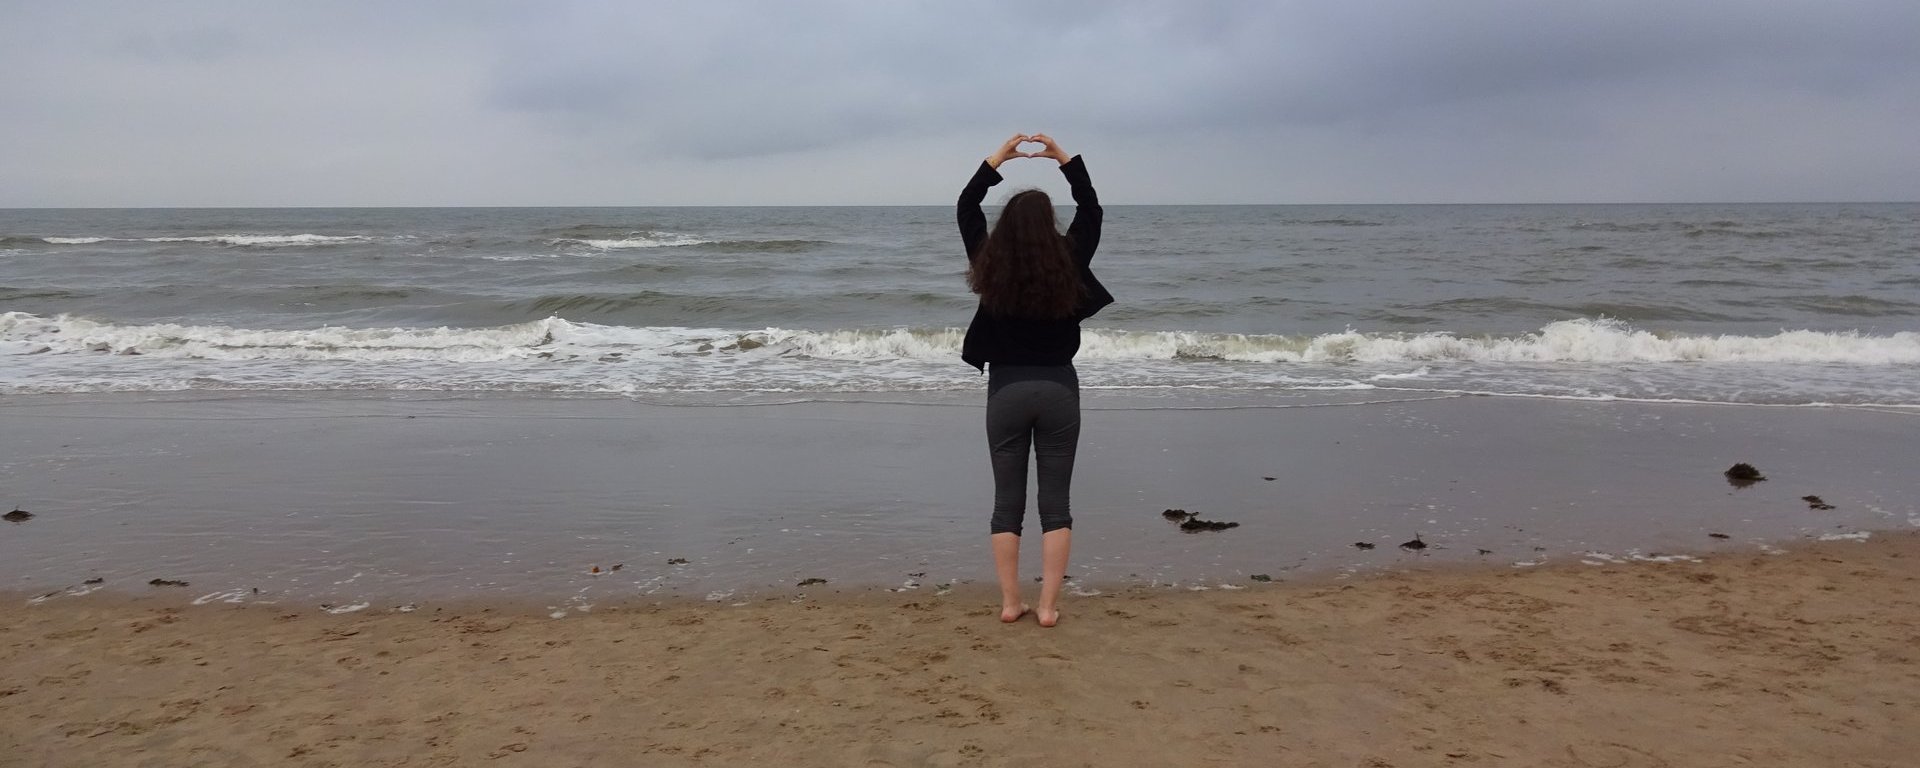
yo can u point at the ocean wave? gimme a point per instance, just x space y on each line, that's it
764 246
632 240
1854 304
11 293
270 241
1496 306
577 304
1572 341
1692 229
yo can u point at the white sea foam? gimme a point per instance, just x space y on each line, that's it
650 240
73 591
234 596
225 239
67 353
1575 341
65 334
1422 372
263 240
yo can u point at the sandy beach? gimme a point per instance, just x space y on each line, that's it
1807 658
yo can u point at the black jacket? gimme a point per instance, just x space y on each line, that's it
993 338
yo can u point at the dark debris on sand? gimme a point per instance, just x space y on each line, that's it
811 582
17 516
676 561
1363 545
1261 577
1719 536
166 583
1196 525
1190 522
1415 545
1743 474
1815 502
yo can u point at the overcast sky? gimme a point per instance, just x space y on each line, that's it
144 103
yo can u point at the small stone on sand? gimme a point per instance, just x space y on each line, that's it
1743 474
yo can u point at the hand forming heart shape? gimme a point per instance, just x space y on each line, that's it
1012 149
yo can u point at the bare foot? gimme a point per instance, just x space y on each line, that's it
1011 615
1048 617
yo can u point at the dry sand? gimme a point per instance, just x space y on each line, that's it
1810 658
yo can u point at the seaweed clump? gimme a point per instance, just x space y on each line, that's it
1743 474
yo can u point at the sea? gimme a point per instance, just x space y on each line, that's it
344 408
1776 305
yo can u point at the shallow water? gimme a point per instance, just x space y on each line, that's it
348 500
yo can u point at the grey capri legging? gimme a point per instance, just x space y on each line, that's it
1037 406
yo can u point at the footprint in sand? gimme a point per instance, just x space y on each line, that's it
1613 756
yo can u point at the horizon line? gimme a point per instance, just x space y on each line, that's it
920 205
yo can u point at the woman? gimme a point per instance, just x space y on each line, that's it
1035 287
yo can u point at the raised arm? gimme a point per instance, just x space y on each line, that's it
1087 215
973 222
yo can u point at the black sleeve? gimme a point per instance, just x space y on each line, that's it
973 222
1085 229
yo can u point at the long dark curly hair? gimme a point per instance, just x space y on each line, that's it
1025 268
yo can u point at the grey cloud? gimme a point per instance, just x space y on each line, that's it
607 102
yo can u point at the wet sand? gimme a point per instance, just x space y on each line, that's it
1810 658
336 499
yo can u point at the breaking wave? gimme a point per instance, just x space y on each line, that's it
632 240
269 241
1570 341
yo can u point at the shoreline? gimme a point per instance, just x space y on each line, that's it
341 500
1802 658
1404 564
